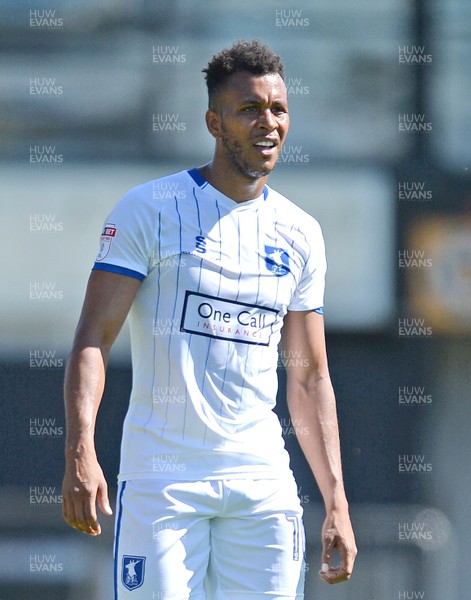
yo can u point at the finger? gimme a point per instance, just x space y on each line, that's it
334 575
71 515
80 519
347 553
82 505
66 511
103 501
327 551
347 558
342 572
90 522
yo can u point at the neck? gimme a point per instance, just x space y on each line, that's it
234 185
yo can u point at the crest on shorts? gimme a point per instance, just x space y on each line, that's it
132 574
109 232
277 261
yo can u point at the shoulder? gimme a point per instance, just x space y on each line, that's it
292 214
155 193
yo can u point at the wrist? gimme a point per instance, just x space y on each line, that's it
79 448
337 501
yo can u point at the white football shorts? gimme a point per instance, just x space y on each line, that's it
233 539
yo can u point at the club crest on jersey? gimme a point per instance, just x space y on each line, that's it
277 261
132 574
109 232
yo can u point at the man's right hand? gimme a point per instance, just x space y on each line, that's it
84 485
107 302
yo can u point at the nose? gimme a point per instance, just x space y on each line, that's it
267 120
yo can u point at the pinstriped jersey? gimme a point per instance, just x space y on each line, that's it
217 280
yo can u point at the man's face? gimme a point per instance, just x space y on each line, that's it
253 122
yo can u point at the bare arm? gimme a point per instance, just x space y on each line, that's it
107 302
311 403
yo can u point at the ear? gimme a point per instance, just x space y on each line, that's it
213 123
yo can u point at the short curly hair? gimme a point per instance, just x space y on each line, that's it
252 56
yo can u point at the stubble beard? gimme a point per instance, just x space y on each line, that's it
235 154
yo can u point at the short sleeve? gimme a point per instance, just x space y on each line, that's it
309 293
127 239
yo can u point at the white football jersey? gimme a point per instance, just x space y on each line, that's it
217 279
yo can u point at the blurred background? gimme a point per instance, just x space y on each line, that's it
96 97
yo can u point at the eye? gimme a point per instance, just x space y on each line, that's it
279 110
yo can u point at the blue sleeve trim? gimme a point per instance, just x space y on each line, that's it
119 270
319 311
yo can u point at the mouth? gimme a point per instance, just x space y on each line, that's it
266 147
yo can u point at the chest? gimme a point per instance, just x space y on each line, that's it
246 245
